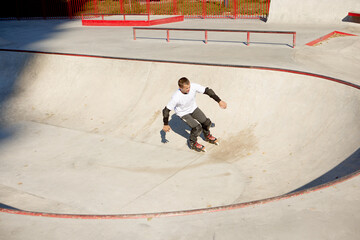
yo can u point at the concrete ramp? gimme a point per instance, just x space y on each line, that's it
84 135
311 12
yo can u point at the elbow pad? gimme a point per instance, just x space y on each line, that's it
211 93
166 114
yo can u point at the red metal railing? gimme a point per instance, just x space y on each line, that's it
30 9
123 20
215 30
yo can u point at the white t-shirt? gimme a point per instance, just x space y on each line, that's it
185 103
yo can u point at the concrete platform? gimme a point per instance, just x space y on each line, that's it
81 135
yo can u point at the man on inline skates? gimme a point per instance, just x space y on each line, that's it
183 102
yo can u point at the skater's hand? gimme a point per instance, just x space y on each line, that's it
166 128
223 104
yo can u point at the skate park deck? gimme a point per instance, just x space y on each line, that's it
80 136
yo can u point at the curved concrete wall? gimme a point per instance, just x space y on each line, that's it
311 12
280 132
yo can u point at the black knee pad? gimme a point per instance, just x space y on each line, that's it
196 130
206 125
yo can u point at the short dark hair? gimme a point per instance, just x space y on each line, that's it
183 81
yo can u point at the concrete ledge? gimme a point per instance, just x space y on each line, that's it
354 17
323 38
107 22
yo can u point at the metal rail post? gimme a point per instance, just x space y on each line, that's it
121 2
204 8
122 8
235 9
248 38
69 9
43 8
175 7
168 35
95 6
148 9
206 36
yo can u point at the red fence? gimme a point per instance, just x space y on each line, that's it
32 9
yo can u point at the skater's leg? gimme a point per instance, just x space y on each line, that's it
203 120
206 127
205 124
195 127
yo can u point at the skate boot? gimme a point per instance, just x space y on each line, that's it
211 139
197 147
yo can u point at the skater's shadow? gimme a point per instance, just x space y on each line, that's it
180 127
163 137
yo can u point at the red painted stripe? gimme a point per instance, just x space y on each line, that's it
346 34
192 63
114 23
167 20
354 14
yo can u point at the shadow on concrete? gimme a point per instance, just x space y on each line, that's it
4 206
263 19
351 19
171 39
180 127
8 79
347 167
274 44
32 9
250 43
346 19
6 133
215 41
19 35
163 136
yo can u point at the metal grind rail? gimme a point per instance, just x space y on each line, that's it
103 15
215 30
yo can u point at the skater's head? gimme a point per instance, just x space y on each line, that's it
184 85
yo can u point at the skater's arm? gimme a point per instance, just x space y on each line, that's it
211 93
166 114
